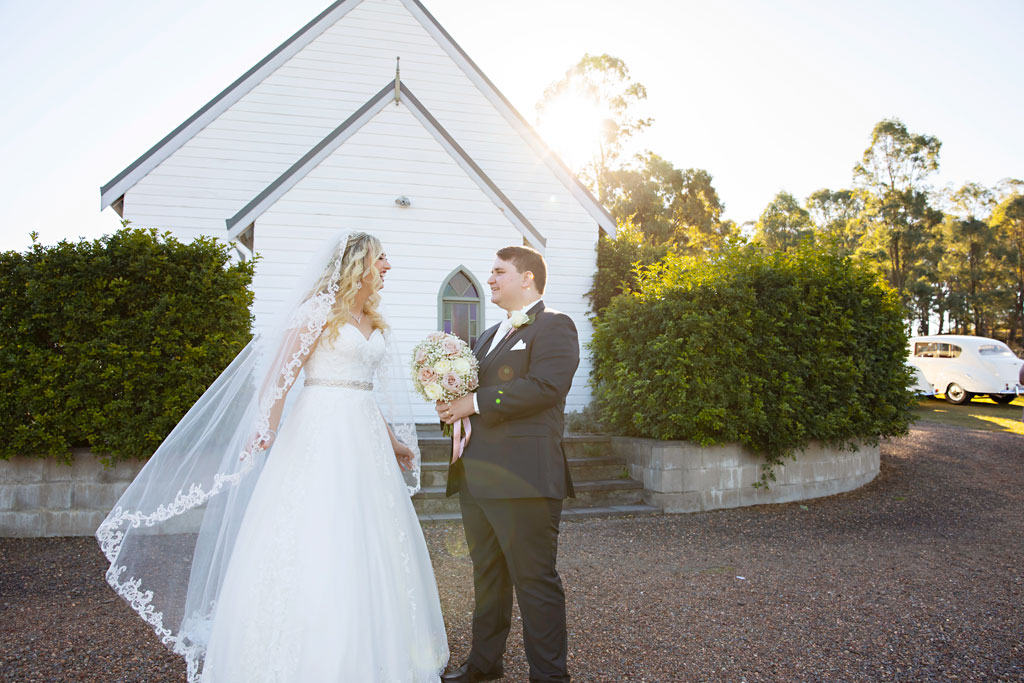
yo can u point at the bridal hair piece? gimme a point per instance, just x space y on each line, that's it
170 535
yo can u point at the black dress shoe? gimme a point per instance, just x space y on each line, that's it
467 673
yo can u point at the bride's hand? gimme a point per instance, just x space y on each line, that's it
404 455
258 444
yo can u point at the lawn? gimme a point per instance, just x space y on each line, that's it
980 413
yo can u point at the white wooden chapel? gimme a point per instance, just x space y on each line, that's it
371 117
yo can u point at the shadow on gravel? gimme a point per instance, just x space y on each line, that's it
980 414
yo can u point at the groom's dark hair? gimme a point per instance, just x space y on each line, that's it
527 259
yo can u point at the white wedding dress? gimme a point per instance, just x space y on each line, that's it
329 580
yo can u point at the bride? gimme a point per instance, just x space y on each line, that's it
269 549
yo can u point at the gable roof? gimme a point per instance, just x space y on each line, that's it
246 216
126 179
138 169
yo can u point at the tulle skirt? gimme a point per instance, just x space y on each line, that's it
329 580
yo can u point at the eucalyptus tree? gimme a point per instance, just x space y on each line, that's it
604 82
971 201
658 207
969 258
1007 187
672 206
836 216
783 223
898 216
1008 221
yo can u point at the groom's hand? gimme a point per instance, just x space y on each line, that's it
450 413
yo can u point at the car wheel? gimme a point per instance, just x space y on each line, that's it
1003 399
957 395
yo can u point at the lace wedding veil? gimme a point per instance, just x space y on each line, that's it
170 535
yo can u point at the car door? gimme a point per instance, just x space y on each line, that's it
925 355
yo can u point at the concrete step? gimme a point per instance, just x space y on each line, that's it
433 474
582 469
589 494
602 487
606 492
587 446
437 448
568 514
597 469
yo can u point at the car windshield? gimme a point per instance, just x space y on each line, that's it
1000 350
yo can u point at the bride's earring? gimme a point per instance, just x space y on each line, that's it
359 284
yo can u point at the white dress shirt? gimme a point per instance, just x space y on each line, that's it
503 330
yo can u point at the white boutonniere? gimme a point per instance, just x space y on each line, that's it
518 319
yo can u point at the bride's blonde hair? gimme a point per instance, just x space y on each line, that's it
361 252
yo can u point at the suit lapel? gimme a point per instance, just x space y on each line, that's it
483 342
514 334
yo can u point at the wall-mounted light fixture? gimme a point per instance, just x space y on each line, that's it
403 202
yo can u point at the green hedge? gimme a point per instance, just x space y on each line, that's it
107 343
771 351
619 261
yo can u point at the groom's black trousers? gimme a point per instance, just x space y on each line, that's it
513 542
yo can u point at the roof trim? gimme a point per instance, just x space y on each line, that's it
126 179
273 192
459 153
269 196
553 161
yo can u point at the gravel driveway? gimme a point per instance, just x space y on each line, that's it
917 576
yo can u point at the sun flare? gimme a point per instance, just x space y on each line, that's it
572 125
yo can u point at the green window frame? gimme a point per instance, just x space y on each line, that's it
460 305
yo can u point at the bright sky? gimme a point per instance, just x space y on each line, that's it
764 95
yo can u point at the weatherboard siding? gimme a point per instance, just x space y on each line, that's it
423 242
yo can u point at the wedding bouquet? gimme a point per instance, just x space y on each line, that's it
444 369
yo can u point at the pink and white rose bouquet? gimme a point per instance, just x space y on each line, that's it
444 369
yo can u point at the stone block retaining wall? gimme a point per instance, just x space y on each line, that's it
43 497
679 476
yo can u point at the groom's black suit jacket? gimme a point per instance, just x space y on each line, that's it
516 447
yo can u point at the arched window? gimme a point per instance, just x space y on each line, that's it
461 306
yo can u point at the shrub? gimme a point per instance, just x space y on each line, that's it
107 343
619 261
768 350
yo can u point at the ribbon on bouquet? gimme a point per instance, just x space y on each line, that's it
458 440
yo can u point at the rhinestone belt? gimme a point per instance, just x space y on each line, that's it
346 383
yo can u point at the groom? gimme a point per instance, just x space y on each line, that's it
513 475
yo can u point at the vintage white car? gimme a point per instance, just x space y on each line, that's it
961 366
